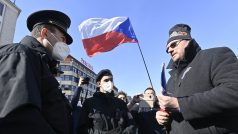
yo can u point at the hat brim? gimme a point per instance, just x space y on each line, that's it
69 39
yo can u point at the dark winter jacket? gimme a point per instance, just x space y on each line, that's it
105 114
146 122
30 101
206 85
145 119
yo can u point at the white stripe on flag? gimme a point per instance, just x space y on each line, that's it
96 26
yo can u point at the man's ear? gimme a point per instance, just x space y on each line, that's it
44 32
98 84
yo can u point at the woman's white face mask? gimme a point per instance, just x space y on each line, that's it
60 49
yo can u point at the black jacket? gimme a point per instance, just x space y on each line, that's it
76 109
147 123
105 114
206 85
30 101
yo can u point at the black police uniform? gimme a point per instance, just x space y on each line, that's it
105 114
30 100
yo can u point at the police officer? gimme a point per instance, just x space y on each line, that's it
30 101
103 113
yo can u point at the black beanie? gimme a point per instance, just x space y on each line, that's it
103 73
178 32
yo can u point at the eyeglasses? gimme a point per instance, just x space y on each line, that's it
173 45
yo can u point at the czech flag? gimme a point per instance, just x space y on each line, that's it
102 35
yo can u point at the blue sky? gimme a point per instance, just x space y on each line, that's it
214 24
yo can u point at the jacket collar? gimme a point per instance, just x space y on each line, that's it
34 44
103 95
190 52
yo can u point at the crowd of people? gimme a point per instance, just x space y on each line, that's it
201 99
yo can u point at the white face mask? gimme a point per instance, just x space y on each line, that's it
107 86
60 49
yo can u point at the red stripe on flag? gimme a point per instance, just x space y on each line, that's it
105 42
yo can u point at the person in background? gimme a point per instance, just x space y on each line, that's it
143 108
76 104
123 96
103 113
203 87
31 101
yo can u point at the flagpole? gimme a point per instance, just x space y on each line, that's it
145 65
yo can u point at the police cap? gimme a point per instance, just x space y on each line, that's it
52 17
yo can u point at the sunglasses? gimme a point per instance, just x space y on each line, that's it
173 45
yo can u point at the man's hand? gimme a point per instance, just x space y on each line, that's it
83 80
136 98
168 102
80 81
162 117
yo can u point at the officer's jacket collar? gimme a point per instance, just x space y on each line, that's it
33 43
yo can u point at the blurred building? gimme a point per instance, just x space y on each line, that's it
73 69
9 13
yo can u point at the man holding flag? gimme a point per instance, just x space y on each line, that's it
203 87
